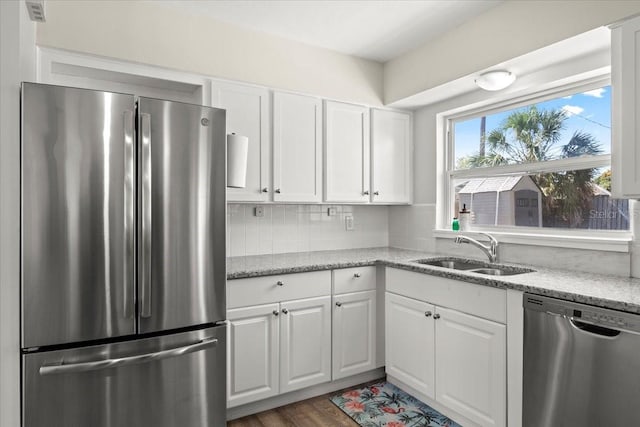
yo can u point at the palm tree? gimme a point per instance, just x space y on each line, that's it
532 135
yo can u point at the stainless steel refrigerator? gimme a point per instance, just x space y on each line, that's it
123 260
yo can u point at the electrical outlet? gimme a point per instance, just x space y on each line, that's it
259 211
332 211
348 223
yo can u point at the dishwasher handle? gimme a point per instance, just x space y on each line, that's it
594 329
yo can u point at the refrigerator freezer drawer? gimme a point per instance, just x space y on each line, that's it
167 381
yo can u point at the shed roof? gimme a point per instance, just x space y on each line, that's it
492 184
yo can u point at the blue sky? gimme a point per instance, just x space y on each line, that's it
588 112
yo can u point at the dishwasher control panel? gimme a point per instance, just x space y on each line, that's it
583 312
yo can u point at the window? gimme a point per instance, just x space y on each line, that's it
542 162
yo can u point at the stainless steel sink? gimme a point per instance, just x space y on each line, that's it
454 264
474 266
498 271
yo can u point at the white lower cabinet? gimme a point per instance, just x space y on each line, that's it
409 341
471 374
252 353
277 348
305 343
354 333
456 359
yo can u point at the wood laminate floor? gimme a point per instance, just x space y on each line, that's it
314 412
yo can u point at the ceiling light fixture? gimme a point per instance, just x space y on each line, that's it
495 80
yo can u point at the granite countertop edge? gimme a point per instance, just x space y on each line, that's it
607 291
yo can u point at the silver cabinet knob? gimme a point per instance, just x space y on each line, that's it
338 304
279 283
275 312
436 316
285 311
365 193
265 190
278 190
376 193
428 313
356 275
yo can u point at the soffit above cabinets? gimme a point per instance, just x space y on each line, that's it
377 30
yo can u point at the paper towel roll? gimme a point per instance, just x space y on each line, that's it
237 150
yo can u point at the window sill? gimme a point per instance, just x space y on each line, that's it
599 243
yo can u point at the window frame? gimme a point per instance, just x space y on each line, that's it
560 237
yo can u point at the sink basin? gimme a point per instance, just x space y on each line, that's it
497 271
474 266
457 264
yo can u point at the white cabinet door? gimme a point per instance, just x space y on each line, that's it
625 132
252 371
346 152
409 342
305 343
248 115
391 149
354 333
471 367
297 148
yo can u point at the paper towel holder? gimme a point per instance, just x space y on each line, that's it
237 151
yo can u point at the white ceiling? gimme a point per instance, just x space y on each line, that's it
377 29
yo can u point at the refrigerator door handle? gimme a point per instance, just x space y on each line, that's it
145 126
62 368
128 213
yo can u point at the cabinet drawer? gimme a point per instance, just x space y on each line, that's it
354 279
483 301
283 287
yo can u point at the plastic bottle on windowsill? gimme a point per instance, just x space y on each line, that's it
464 218
455 225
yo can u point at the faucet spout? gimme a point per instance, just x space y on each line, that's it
491 250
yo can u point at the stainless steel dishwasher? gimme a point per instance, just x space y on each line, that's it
581 365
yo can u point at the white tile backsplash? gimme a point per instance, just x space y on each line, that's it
300 228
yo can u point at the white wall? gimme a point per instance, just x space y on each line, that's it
149 33
297 228
504 32
17 62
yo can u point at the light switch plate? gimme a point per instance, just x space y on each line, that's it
332 211
259 211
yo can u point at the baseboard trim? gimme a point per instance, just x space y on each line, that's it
298 395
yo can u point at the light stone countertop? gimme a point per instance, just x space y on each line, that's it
615 292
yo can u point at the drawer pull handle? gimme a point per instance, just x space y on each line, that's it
428 313
338 304
279 283
285 311
356 275
265 190
436 316
275 312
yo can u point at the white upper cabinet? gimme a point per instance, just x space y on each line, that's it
346 153
248 115
625 83
390 157
297 148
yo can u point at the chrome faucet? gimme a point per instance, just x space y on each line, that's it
491 250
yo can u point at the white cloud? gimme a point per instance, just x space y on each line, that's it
572 110
596 93
567 97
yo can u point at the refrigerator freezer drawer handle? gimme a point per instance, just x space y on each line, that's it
125 361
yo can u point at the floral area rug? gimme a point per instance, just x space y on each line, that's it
385 405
